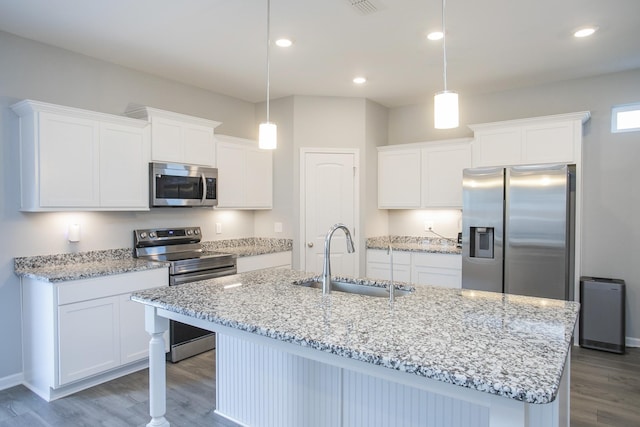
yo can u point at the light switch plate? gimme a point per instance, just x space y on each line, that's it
218 228
277 227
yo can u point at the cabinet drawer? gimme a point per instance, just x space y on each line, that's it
100 287
438 260
380 255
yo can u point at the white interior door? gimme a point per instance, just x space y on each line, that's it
329 196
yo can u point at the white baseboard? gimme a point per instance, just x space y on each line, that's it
632 342
11 381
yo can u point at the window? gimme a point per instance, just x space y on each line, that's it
625 118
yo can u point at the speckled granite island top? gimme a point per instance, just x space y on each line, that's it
507 345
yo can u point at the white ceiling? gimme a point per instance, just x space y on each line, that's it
220 45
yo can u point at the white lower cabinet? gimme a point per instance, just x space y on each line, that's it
378 265
259 262
436 269
417 268
80 333
84 350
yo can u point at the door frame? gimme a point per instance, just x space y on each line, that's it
356 200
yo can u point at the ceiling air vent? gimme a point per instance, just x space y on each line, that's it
364 7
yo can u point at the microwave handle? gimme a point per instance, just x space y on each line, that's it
204 188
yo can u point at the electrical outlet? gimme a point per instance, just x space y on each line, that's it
277 227
218 228
428 225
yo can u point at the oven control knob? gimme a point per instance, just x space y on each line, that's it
152 235
189 232
196 231
143 235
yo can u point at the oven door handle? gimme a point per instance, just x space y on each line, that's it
204 188
181 279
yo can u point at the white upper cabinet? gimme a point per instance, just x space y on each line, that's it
178 138
399 178
548 139
245 174
73 159
442 166
422 175
124 172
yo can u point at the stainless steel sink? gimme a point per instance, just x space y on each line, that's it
354 288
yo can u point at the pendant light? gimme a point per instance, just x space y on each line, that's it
446 101
268 132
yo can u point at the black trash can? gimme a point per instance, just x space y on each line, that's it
602 314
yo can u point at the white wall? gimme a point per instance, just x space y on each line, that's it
411 222
611 206
374 221
37 71
284 210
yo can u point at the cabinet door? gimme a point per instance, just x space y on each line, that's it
437 269
124 166
88 338
501 147
69 169
259 176
199 147
231 175
399 179
548 143
442 175
379 265
134 339
166 145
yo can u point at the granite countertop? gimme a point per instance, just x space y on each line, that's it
415 244
508 345
65 267
252 246
84 265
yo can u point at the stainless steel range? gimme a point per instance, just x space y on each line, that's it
189 262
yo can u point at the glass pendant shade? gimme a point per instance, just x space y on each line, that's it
446 110
267 136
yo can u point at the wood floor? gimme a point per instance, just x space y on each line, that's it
605 391
605 388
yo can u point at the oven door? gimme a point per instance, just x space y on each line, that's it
180 279
180 185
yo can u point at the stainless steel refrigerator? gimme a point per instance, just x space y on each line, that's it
518 230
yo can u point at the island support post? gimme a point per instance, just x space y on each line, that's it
156 326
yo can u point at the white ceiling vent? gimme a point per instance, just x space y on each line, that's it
365 7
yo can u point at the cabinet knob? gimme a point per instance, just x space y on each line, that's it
310 244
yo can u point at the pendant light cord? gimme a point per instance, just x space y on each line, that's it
268 48
444 47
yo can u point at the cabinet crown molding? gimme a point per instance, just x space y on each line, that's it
583 116
423 144
148 113
30 106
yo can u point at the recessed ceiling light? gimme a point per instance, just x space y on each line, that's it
435 35
584 31
359 80
284 42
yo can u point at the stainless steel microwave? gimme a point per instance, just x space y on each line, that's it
181 185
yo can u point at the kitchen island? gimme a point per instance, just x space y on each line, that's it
286 355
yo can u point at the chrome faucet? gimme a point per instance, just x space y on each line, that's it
326 267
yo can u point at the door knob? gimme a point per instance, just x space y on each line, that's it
310 244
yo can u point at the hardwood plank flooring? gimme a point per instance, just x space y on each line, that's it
605 392
605 388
